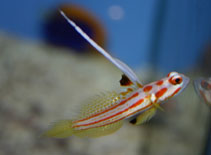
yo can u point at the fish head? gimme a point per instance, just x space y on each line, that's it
172 85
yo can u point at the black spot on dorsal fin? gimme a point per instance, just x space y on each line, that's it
125 81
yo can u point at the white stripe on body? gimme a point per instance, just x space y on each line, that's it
114 112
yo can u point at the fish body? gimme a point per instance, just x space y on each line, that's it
106 113
203 89
134 102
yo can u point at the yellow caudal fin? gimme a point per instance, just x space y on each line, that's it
61 129
99 131
145 116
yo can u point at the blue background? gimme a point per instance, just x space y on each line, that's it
168 34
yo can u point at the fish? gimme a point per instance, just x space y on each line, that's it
203 89
107 112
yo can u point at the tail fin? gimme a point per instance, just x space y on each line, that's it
61 129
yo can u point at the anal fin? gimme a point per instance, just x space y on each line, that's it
99 131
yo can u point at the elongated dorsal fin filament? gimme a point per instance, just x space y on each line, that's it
119 64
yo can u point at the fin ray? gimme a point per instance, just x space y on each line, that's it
158 106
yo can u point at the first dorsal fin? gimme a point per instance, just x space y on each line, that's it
125 81
119 64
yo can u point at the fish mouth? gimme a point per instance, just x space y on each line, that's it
186 81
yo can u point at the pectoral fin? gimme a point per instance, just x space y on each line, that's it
143 117
156 105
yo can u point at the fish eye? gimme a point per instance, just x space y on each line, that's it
175 80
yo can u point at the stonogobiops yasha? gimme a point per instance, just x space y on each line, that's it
105 115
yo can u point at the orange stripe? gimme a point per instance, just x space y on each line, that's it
147 88
121 103
159 83
161 92
176 91
132 106
140 109
137 103
118 119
